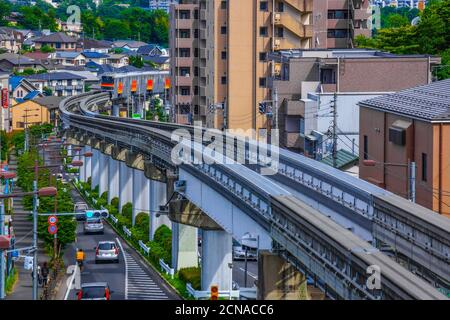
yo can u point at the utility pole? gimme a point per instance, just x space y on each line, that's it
35 232
2 256
334 106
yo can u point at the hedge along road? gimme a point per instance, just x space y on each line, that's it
131 278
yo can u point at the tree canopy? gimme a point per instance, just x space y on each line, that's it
430 36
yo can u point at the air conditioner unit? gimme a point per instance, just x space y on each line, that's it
277 44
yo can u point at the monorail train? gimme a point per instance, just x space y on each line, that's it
125 84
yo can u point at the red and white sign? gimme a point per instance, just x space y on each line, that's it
52 229
52 219
5 98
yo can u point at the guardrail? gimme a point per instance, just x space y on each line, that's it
127 231
114 219
144 247
166 268
198 294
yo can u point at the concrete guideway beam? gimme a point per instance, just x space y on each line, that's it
185 212
216 257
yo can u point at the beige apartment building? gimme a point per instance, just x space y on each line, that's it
220 67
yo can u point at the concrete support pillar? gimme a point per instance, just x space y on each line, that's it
88 165
158 197
125 184
104 164
113 179
141 192
83 168
278 279
216 256
95 176
184 246
115 110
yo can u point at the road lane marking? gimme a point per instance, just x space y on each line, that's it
249 273
126 268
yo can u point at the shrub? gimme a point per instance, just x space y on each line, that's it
163 236
115 202
127 210
89 181
104 196
192 276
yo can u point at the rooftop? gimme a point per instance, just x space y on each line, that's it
129 43
16 59
55 76
430 102
56 37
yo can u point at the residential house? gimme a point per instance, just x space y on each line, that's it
27 113
10 62
21 89
61 84
404 133
128 44
52 105
93 45
97 57
59 41
71 29
152 50
313 84
68 58
117 60
158 62
10 40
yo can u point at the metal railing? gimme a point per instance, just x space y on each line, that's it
167 269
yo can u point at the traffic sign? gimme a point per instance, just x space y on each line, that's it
52 219
89 213
99 213
52 229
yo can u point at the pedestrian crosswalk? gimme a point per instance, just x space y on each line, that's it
139 284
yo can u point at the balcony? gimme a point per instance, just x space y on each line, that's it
288 22
183 61
185 42
362 14
294 140
337 23
329 87
202 72
183 99
203 53
184 23
203 34
183 81
203 14
301 5
202 91
295 108
182 118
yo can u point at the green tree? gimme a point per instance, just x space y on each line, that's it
136 61
47 49
5 11
116 29
396 21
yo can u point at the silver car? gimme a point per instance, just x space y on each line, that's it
107 251
93 226
94 291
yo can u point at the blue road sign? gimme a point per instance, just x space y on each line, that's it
89 213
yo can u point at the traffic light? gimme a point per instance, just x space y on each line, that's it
101 213
262 107
214 292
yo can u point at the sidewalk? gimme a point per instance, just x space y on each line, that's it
23 230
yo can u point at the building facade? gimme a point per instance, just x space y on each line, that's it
410 126
220 70
337 22
313 84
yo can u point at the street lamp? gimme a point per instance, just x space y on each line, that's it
411 165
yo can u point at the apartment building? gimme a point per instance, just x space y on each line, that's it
61 84
337 22
220 72
161 4
409 126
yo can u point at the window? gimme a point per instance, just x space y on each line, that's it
185 14
223 30
184 71
366 148
196 32
262 56
280 7
224 55
196 14
223 5
263 6
263 31
262 82
185 91
185 52
397 136
184 33
337 33
280 32
327 76
223 80
424 167
337 14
